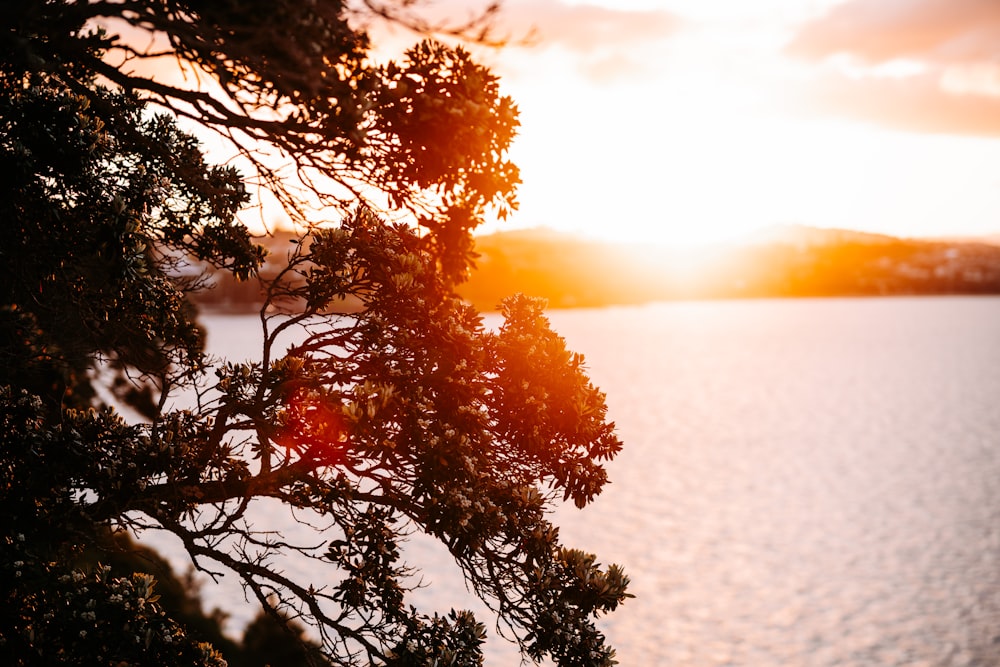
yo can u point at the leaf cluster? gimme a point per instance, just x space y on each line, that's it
408 415
99 203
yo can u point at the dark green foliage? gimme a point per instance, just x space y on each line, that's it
406 416
95 199
178 596
455 639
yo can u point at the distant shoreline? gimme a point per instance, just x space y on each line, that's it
569 272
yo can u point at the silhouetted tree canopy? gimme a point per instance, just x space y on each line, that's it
406 416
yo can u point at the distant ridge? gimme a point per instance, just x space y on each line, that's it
778 261
802 234
990 239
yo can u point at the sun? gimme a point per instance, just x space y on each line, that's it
665 173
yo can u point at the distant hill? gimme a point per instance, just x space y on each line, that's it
799 235
226 294
991 239
784 261
780 261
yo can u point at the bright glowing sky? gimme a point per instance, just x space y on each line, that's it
685 121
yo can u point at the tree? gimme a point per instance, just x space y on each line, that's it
406 416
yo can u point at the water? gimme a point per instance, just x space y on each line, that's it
804 482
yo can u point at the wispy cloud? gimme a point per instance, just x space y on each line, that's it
934 31
915 103
606 44
585 28
918 65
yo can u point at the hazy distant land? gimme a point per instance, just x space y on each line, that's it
787 261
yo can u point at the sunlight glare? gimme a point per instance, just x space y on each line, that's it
702 136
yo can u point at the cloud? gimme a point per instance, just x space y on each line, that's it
938 32
603 44
913 104
585 28
950 85
549 23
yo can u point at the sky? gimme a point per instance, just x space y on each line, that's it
692 121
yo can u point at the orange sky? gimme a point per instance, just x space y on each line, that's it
687 121
683 121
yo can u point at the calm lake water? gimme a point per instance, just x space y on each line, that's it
804 482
